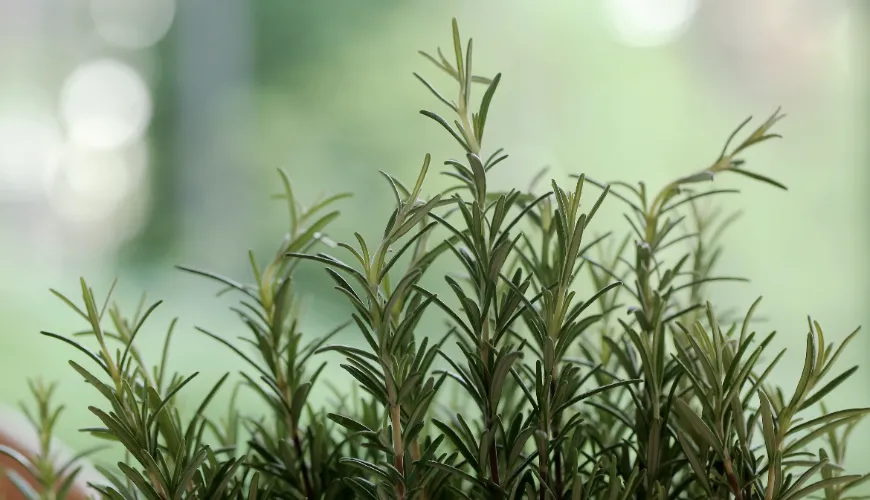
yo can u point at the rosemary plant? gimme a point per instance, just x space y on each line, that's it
566 395
49 478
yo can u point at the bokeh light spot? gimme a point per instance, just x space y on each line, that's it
646 23
88 185
27 138
132 24
105 104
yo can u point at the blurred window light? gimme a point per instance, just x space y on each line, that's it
132 24
105 104
779 49
647 23
28 136
85 185
844 48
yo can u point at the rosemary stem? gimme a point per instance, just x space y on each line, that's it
398 448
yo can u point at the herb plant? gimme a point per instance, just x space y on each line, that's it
641 390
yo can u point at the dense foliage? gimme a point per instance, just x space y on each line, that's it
641 390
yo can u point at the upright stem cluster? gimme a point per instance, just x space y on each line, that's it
662 408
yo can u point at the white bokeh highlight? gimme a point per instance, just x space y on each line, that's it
86 185
105 104
28 136
648 23
132 24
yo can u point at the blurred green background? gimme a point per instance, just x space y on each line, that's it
138 135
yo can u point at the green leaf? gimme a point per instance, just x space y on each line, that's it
830 386
457 49
18 457
441 121
364 466
313 232
22 485
820 485
300 396
142 485
768 429
499 375
348 423
597 390
694 422
758 177
458 443
484 105
436 93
